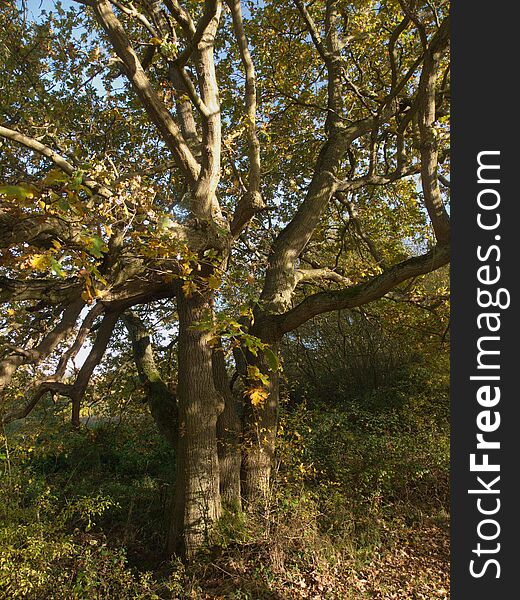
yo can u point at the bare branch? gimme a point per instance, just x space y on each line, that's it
354 217
151 101
252 201
50 291
426 116
182 17
12 361
210 11
204 201
294 237
391 49
363 293
54 157
320 274
93 359
313 30
161 400
132 12
41 390
81 336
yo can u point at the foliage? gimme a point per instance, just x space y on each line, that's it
361 490
192 221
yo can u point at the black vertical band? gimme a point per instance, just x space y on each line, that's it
485 519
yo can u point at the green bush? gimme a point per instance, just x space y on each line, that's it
381 457
70 502
83 513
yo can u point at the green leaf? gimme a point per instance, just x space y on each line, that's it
272 360
17 192
96 246
57 268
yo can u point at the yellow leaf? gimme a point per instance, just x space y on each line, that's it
87 295
155 41
40 262
188 287
185 269
213 342
214 282
253 372
257 395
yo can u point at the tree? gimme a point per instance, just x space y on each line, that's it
287 163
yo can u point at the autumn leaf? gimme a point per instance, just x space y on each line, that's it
214 282
40 262
254 372
87 295
189 288
96 246
257 395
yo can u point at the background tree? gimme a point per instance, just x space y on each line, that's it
158 151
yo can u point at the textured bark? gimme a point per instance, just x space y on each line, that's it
197 503
161 401
229 428
427 117
260 425
260 441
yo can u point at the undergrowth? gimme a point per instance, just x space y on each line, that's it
358 508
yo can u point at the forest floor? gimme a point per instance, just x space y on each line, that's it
414 567
358 511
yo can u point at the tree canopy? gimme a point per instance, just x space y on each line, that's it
237 167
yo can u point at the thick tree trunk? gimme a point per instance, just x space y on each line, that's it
197 503
260 429
229 428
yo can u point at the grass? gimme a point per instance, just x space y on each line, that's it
359 509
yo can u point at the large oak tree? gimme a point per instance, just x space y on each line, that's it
255 164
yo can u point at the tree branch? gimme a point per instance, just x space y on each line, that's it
54 157
93 359
149 98
41 390
426 117
323 274
252 201
162 402
363 293
312 29
10 363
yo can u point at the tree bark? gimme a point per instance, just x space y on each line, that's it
161 401
258 459
260 430
229 429
197 503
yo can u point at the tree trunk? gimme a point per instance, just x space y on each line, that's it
197 503
229 428
260 429
161 401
